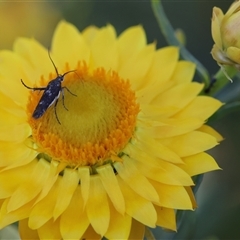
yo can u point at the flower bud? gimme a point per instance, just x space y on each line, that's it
226 35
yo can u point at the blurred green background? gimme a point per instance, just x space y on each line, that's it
218 215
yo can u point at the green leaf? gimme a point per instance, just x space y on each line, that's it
169 34
225 110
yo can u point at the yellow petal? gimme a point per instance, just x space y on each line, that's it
10 119
136 67
211 131
217 16
199 163
158 81
111 186
166 218
183 95
52 178
8 132
163 172
190 143
74 221
13 178
234 6
220 56
151 112
10 82
119 226
97 206
131 42
84 176
50 230
233 54
105 53
184 72
139 155
25 232
14 155
154 147
12 107
128 171
137 230
173 127
7 218
201 107
37 57
138 207
175 197
192 197
40 214
163 66
77 50
89 33
29 189
68 185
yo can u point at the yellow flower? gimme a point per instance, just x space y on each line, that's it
226 35
24 18
121 157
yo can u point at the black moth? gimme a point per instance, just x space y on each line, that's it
51 94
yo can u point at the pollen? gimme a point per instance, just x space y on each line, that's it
95 125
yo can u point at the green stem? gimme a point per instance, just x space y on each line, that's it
221 79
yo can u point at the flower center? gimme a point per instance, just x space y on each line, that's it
95 125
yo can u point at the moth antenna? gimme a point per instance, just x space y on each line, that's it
53 62
75 71
68 72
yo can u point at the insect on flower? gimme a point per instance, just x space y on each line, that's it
51 94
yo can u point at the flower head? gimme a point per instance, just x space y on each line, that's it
130 135
226 35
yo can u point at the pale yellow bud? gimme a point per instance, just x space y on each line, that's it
226 35
230 31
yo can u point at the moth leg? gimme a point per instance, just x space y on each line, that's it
63 99
55 110
69 91
34 89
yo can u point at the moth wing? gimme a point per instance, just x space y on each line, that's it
50 95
